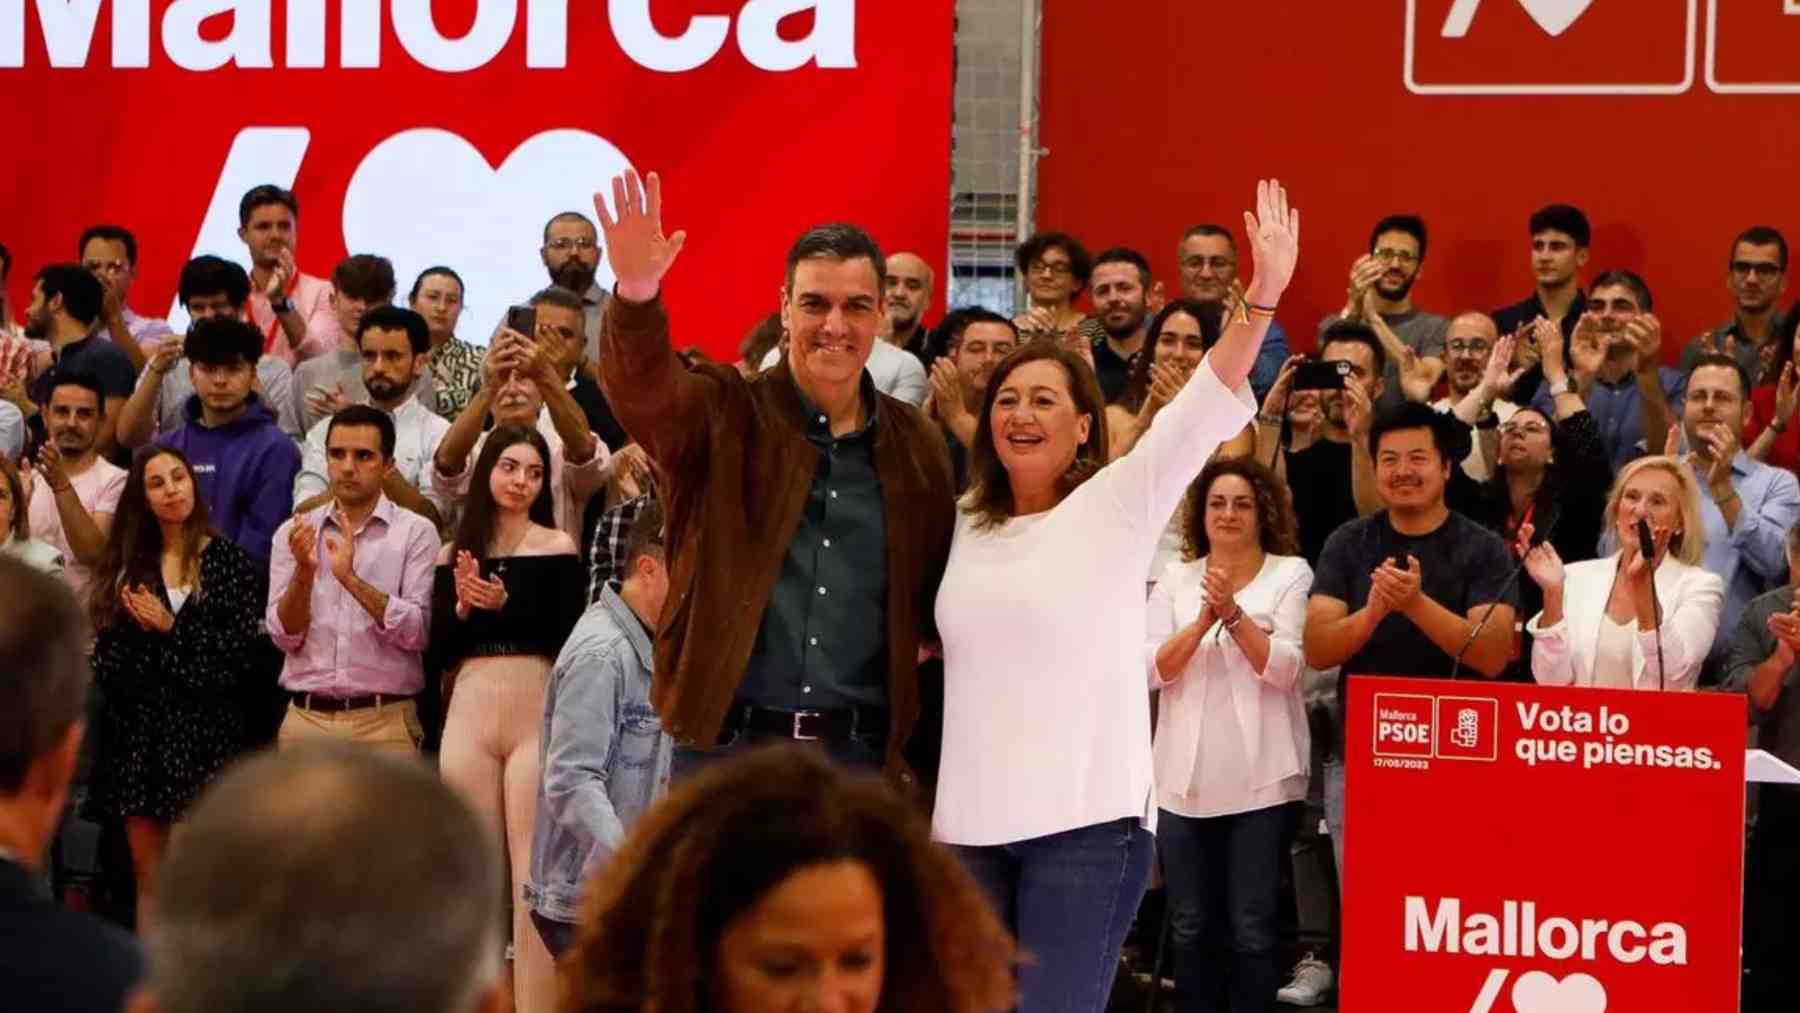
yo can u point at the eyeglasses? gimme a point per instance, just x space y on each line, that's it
1053 268
1397 256
563 244
1524 429
1477 347
1762 269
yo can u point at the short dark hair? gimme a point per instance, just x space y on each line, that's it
1412 225
114 233
1640 289
958 322
43 667
364 415
556 295
428 272
1763 235
1720 360
1032 250
223 341
1125 255
567 216
1418 415
82 378
1352 332
365 276
210 275
1209 229
264 195
1564 218
81 292
837 241
388 317
645 537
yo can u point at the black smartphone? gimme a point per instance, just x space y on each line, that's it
1321 375
523 319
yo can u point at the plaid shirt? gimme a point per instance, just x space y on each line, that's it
610 535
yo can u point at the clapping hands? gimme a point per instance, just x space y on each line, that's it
473 591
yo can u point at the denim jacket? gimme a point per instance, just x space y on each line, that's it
603 754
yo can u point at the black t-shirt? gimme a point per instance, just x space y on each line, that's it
1462 566
1110 368
1319 477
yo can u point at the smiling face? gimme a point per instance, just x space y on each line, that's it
1179 341
1036 425
74 419
517 476
440 302
1612 307
1467 344
1119 298
831 316
982 347
1398 253
1231 519
1652 494
518 402
1208 267
168 489
1714 403
908 290
816 942
1409 471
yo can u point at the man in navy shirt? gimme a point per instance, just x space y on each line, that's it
65 303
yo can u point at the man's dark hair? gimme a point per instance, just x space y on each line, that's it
81 292
264 195
43 667
566 216
1640 289
222 341
556 295
1762 235
644 539
1418 415
397 318
1353 333
82 378
365 276
210 275
1722 361
1209 229
303 862
5 262
439 269
1126 255
958 322
1032 250
1412 225
113 233
1564 218
364 415
837 241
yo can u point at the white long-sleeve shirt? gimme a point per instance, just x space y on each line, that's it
1046 719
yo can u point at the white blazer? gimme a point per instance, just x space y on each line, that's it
1563 655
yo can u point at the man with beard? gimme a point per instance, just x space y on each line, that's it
1208 258
907 297
978 340
65 302
1380 295
571 254
1757 276
1627 392
291 310
396 347
111 253
1121 288
326 383
1469 341
73 503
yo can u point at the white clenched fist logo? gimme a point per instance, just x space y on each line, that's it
1467 732
1553 16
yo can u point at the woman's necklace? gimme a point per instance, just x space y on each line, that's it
500 558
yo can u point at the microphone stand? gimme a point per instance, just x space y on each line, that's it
1647 548
1537 538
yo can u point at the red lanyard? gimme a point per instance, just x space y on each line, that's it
274 317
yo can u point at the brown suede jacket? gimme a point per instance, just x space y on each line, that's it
739 466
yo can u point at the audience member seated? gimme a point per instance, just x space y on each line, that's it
907 288
977 341
785 853
72 506
1115 333
1232 747
1624 384
290 309
328 878
1624 621
1764 663
56 959
180 658
437 295
1769 435
15 525
209 287
1476 364
604 757
353 636
65 302
396 349
1380 295
331 380
571 256
502 607
1055 268
1208 258
245 463
1756 274
110 253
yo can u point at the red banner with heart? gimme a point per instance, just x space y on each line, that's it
449 131
1524 849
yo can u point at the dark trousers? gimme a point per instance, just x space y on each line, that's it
1224 880
1772 903
558 937
864 753
1070 899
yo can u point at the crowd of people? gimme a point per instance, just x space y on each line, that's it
1030 606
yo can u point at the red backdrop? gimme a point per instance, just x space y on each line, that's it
1165 115
750 154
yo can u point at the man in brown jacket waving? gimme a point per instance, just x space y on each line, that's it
809 517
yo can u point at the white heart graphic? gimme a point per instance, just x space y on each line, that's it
1537 992
1555 16
426 196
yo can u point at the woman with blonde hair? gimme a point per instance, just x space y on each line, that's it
1624 621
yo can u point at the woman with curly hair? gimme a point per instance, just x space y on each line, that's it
778 882
1232 746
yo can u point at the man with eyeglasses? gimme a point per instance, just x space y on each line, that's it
571 255
110 252
1207 254
1469 341
1380 295
1756 276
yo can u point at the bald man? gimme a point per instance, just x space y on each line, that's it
907 297
1468 341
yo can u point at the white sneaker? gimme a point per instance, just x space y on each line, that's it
1309 985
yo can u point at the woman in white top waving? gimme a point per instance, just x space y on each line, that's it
1045 784
1232 746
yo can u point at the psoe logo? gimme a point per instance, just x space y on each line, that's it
1403 726
1468 728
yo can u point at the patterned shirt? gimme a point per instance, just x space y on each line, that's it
610 536
455 376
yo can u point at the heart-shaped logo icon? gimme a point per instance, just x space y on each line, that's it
1537 992
1555 16
427 196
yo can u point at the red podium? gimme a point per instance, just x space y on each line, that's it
1527 849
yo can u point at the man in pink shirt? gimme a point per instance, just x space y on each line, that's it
292 310
350 598
72 505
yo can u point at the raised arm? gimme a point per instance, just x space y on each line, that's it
137 416
1647 331
1274 232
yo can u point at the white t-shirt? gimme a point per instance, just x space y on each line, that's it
98 489
1046 717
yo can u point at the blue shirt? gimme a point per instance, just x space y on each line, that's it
1269 357
1618 410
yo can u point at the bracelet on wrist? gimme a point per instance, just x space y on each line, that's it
1236 617
1255 307
1264 418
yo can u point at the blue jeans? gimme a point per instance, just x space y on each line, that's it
1334 814
1224 880
1070 899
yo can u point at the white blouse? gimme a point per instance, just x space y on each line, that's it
1046 721
1227 739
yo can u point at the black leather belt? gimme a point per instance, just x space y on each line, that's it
339 704
835 724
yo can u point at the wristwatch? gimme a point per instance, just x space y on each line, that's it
281 305
1562 386
1488 421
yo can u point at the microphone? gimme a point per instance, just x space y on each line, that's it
1552 514
1647 547
1646 544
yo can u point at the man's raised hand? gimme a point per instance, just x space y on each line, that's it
635 245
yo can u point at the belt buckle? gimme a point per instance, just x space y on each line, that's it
800 716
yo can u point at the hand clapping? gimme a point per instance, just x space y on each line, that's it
146 608
1396 588
473 591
